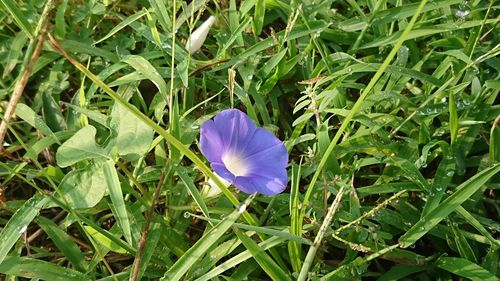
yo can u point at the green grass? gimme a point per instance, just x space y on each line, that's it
388 110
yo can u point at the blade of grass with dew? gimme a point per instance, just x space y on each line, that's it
356 107
260 229
188 182
18 223
464 191
189 258
240 258
465 268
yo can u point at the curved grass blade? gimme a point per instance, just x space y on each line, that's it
143 66
122 25
186 261
14 228
464 191
63 243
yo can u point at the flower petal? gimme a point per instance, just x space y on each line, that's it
210 142
264 185
261 140
236 129
265 152
222 171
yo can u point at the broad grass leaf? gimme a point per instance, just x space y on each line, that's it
35 121
39 270
81 146
104 241
84 188
115 192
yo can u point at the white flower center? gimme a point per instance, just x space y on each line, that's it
235 164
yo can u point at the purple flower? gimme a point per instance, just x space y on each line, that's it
250 158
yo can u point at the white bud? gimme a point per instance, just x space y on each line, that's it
213 189
197 38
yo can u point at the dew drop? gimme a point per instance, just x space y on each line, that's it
450 173
349 69
250 77
461 14
23 229
187 215
195 127
242 208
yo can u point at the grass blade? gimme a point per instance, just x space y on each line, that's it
464 191
18 223
116 194
186 261
465 268
264 260
38 269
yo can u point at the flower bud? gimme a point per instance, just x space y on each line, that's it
197 38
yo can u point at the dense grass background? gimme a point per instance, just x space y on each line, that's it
388 109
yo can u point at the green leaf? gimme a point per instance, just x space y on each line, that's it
132 139
465 268
17 224
431 219
84 188
38 269
52 113
81 146
453 119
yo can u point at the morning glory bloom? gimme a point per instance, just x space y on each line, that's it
250 158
